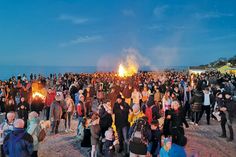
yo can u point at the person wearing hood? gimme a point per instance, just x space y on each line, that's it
33 129
18 143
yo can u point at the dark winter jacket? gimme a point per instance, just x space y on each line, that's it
197 101
229 104
154 145
108 149
22 111
105 118
121 116
18 144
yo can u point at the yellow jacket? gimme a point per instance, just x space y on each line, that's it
133 117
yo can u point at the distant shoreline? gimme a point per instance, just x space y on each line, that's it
7 71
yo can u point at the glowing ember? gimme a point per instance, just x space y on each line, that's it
37 94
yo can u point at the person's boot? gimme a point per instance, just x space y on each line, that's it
125 152
229 139
231 132
222 136
120 148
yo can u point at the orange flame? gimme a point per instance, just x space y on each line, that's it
126 71
37 94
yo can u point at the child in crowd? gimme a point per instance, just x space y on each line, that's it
170 149
95 133
155 143
110 142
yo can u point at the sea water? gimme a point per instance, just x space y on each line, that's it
7 72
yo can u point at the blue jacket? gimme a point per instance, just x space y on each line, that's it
76 99
18 144
175 151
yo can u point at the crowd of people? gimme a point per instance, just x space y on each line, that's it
142 115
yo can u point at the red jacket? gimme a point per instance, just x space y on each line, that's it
81 109
50 98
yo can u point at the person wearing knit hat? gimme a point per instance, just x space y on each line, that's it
136 114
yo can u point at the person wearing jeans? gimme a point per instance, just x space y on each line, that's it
121 111
123 137
81 111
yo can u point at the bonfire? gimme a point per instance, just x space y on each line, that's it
37 94
127 71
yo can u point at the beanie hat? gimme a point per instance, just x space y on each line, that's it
109 134
136 107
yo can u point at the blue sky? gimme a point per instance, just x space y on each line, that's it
99 32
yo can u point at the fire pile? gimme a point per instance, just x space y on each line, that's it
38 91
128 67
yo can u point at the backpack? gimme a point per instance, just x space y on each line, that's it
140 127
138 140
42 134
148 113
